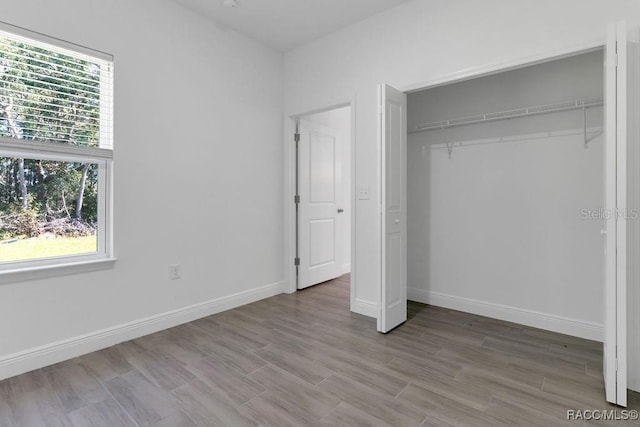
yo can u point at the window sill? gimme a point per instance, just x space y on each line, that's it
49 271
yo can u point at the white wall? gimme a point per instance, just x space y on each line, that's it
340 120
498 228
420 41
198 178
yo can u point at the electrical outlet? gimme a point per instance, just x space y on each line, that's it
175 272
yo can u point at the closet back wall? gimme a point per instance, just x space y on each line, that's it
498 228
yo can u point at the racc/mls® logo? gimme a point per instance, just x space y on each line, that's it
602 414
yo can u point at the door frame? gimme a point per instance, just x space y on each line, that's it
290 232
499 67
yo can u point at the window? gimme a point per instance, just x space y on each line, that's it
56 151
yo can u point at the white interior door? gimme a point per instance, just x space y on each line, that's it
617 229
319 211
393 164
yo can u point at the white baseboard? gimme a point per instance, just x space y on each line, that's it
564 325
366 308
346 268
35 358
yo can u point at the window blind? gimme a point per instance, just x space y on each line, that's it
52 94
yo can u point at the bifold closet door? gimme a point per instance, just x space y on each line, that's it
392 136
621 73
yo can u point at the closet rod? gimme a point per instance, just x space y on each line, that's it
510 114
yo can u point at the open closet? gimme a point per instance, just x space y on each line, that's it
505 195
515 194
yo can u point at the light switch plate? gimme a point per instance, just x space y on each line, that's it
364 193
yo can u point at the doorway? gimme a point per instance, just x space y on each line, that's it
322 196
503 172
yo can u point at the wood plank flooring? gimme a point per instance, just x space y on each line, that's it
304 359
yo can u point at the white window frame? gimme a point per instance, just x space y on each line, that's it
102 156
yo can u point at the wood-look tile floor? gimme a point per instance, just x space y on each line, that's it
304 359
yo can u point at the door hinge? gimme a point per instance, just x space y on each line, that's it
616 365
296 137
296 200
296 261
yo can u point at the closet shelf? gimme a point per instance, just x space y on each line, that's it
510 114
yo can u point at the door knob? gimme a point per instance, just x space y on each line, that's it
397 221
340 210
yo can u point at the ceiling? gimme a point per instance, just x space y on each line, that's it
287 24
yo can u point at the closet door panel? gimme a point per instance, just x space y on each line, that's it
393 164
619 231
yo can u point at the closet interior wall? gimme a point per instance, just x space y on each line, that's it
497 212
